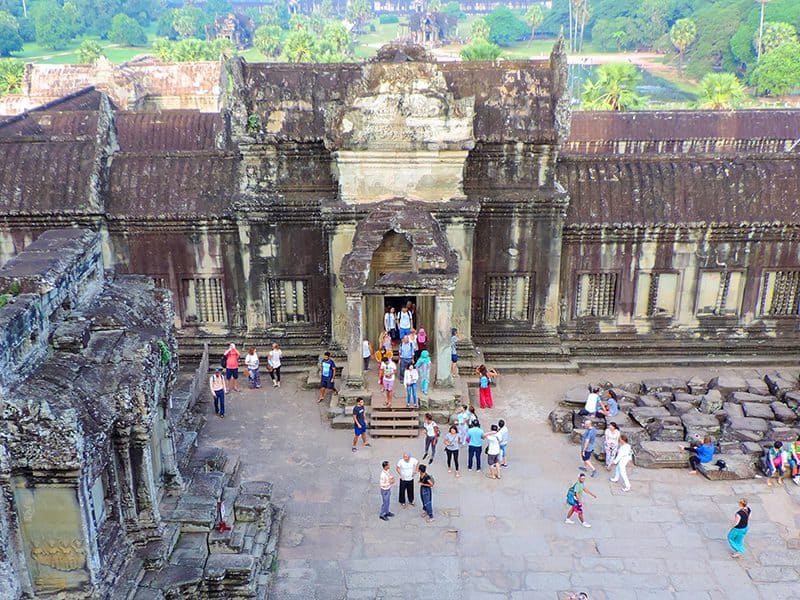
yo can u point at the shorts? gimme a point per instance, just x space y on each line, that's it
326 382
587 455
232 373
404 332
454 358
388 384
503 450
359 430
578 507
493 459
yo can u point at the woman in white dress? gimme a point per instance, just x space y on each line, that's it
274 360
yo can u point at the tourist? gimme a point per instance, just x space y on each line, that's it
422 340
454 339
493 452
463 419
426 492
609 408
412 337
389 370
474 445
490 373
390 323
775 463
410 379
253 375
587 446
406 468
274 362
575 500
794 460
366 352
232 366
423 367
387 481
218 387
610 443
741 523
406 354
404 322
359 424
384 346
502 435
327 370
485 391
451 444
623 456
700 454
412 312
592 401
431 436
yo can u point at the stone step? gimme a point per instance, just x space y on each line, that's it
393 423
409 433
506 366
406 413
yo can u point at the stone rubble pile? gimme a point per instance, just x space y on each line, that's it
741 414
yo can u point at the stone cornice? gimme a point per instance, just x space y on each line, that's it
684 232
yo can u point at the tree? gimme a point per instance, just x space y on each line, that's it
480 29
12 72
720 91
89 51
187 21
505 27
454 10
760 43
359 12
614 88
214 8
192 49
534 17
54 27
126 31
682 35
778 72
268 39
10 39
578 16
299 46
164 26
481 49
336 34
774 35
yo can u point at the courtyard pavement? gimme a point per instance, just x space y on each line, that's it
501 538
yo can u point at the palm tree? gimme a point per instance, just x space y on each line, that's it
760 29
267 40
480 49
682 35
720 91
299 46
480 29
534 17
614 89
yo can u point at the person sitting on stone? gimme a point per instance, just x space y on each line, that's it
609 407
701 454
775 462
592 400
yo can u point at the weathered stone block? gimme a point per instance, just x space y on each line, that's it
792 400
756 409
248 508
626 394
669 455
778 385
678 407
698 425
711 402
644 415
737 466
697 386
690 398
579 420
561 420
727 384
745 428
632 387
757 386
740 397
220 566
781 434
783 413
732 409
575 396
751 448
636 435
649 401
668 429
667 384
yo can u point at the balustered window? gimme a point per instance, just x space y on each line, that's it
780 294
204 300
656 294
288 300
508 297
596 295
720 293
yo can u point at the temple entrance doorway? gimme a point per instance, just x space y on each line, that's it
376 305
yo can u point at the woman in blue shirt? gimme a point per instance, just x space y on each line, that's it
702 454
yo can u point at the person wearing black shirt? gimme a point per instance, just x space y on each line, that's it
426 492
359 424
741 522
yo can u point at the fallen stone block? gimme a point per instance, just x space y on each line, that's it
692 399
632 387
649 401
668 429
579 420
624 394
756 409
740 397
778 386
644 415
561 420
698 425
679 407
783 413
732 409
751 448
746 429
711 402
667 384
636 435
792 400
757 386
780 433
663 455
727 384
249 508
575 396
737 466
697 386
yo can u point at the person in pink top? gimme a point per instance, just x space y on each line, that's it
232 366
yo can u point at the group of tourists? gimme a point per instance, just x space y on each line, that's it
227 374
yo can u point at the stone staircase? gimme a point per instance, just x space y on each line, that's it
396 421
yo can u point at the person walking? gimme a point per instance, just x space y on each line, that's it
454 339
232 366
390 323
366 352
485 390
389 370
623 456
253 375
423 367
410 379
274 362
406 355
462 423
431 436
426 492
475 445
327 370
404 322
359 424
610 443
575 500
422 340
741 523
218 387
451 446
502 435
587 446
406 469
493 452
386 483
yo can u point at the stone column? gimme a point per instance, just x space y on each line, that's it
444 322
149 517
355 328
173 480
127 501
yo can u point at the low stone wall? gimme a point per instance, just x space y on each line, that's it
740 413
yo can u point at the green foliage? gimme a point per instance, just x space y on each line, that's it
505 26
164 26
716 25
336 35
358 13
481 49
299 46
745 40
388 19
55 26
166 355
89 51
126 31
10 39
253 124
682 34
479 29
14 288
214 8
720 91
613 89
775 35
188 22
268 40
27 30
192 50
275 14
453 9
534 17
778 71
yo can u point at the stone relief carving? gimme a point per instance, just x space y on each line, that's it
62 555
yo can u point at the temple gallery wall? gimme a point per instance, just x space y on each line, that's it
313 195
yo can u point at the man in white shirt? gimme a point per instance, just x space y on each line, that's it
406 469
592 400
387 481
404 322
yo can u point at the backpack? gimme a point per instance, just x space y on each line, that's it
571 499
223 361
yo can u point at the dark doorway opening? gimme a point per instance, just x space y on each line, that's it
398 302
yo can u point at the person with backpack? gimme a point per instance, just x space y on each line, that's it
218 388
232 366
574 499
